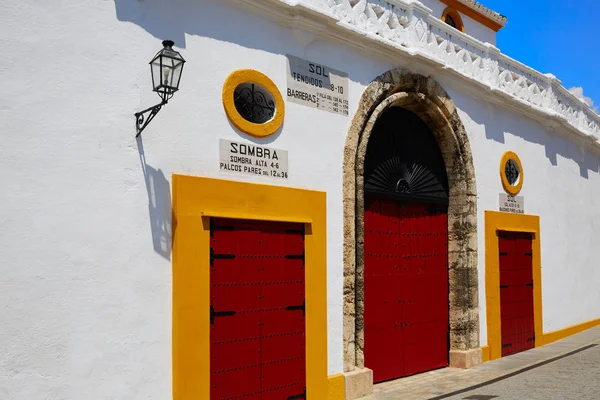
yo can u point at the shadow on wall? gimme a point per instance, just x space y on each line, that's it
228 22
159 18
174 19
220 20
159 205
499 122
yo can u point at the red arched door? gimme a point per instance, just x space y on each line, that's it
406 249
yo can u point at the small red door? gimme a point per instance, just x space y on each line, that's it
516 292
257 342
406 288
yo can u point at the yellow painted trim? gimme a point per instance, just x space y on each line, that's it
568 331
471 13
511 189
499 221
193 199
455 16
550 337
336 387
249 75
485 353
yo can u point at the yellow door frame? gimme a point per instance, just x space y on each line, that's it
195 200
502 221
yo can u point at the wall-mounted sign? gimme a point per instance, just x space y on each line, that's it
251 159
511 173
512 204
317 86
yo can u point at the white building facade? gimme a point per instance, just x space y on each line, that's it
123 254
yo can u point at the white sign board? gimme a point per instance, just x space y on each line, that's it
512 204
251 159
317 86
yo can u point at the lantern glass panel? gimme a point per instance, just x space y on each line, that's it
166 72
176 75
156 73
166 68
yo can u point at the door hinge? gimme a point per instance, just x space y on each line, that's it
529 254
214 227
300 307
506 345
531 339
214 314
503 286
298 396
503 253
529 284
214 256
296 231
295 256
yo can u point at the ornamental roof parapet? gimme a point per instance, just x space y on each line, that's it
401 28
488 12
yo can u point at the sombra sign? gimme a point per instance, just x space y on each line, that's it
250 159
317 86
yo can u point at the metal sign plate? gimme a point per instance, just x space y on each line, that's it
512 204
317 86
250 159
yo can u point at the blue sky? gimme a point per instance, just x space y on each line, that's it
561 37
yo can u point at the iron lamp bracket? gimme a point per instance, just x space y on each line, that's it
142 120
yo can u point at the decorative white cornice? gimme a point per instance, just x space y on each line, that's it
488 12
405 31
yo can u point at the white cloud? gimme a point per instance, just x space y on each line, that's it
578 92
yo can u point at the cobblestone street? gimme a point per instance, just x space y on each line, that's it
574 377
567 369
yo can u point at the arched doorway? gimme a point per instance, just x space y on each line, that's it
424 97
405 248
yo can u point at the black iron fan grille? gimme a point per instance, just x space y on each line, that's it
254 103
511 169
404 161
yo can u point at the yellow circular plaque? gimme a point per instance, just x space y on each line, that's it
252 77
511 173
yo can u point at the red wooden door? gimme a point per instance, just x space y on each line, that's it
516 292
257 342
406 288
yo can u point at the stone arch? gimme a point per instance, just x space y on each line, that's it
428 100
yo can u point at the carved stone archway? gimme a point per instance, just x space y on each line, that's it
427 99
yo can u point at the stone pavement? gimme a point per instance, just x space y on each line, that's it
566 369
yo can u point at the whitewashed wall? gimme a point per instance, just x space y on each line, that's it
561 185
85 277
472 27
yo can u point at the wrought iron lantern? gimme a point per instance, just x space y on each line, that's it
166 68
